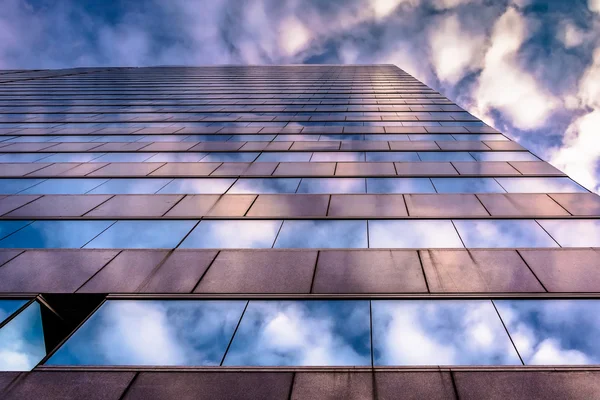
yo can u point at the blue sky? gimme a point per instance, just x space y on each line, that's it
529 68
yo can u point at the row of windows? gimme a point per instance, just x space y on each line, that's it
264 234
313 333
287 156
288 185
250 138
237 112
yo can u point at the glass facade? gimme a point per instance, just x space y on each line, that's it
281 216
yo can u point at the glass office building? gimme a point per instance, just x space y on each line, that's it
278 232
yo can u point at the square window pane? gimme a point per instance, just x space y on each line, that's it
233 234
338 156
392 156
131 186
467 185
175 332
553 332
332 185
22 340
142 235
573 232
407 234
284 156
399 185
540 185
55 234
503 233
323 234
265 185
302 333
504 156
439 332
445 156
65 186
197 186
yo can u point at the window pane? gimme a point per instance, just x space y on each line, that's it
467 185
540 185
445 156
439 332
65 186
197 186
323 234
504 156
124 157
233 234
131 186
302 333
553 332
9 306
177 157
22 340
153 332
332 185
55 234
142 235
574 232
503 233
13 186
283 157
265 185
72 157
399 185
341 156
230 157
392 156
413 234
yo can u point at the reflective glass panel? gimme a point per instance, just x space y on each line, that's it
13 186
440 137
302 333
504 156
413 234
392 156
251 138
489 136
574 232
23 157
65 186
9 306
22 340
399 185
439 332
265 185
131 186
323 234
503 233
8 227
332 185
55 234
233 234
197 186
177 157
142 235
467 185
124 157
341 156
445 156
553 332
72 157
329 138
296 138
540 185
284 156
153 332
387 137
232 157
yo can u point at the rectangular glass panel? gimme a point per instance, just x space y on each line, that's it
233 234
296 138
439 332
573 232
13 186
489 136
124 157
467 185
131 186
386 137
332 185
177 157
283 157
65 186
341 156
10 306
413 234
153 332
197 186
504 156
329 138
22 340
230 157
540 185
441 137
142 235
302 333
323 234
23 157
252 138
399 185
445 156
265 185
392 156
55 234
8 227
72 157
502 233
553 332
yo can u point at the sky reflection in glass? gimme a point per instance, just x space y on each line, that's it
553 332
467 185
504 156
65 186
8 227
323 234
332 185
284 157
72 157
380 156
503 233
177 157
142 235
265 185
13 186
302 333
233 234
9 306
55 234
125 157
439 332
445 156
338 156
399 185
574 232
153 332
22 340
229 157
413 234
23 157
131 186
540 185
197 186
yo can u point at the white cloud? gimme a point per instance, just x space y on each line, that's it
570 35
594 5
293 35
